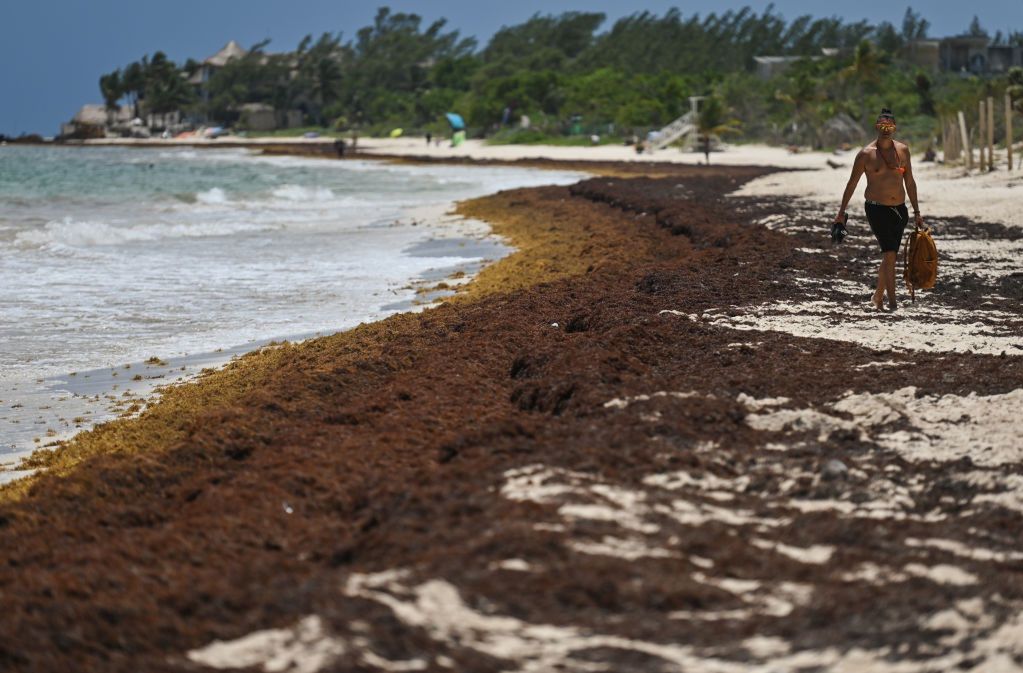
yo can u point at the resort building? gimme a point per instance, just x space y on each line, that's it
967 54
771 66
93 120
212 64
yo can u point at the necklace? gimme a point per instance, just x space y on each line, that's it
885 159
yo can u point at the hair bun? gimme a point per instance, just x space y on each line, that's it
885 111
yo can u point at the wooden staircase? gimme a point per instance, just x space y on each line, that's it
683 126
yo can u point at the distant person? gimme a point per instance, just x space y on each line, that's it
340 146
886 163
429 137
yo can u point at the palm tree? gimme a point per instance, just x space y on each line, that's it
133 82
711 122
1015 87
865 69
804 95
320 72
111 87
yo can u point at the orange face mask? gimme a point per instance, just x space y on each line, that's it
885 126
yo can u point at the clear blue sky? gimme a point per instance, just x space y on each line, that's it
52 52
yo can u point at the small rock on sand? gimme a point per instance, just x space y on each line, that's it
834 469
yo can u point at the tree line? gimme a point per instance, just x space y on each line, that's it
563 69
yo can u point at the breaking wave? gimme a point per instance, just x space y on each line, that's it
83 234
214 195
303 194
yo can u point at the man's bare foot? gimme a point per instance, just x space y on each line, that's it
878 300
892 305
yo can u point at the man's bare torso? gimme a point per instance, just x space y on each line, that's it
884 182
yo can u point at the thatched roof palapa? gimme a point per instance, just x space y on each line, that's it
231 50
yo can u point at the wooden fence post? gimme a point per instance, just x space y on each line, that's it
1008 127
982 134
953 139
946 148
991 133
957 140
966 141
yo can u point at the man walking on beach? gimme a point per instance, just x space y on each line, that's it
886 163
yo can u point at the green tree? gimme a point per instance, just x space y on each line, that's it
390 66
914 26
111 88
318 76
256 77
888 39
133 83
975 29
864 73
541 43
923 89
1014 87
713 121
164 86
803 94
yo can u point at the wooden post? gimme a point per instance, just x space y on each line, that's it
991 133
1008 127
946 150
982 134
966 141
953 140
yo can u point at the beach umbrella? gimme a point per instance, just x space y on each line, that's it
397 132
456 121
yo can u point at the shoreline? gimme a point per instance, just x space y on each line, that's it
122 390
578 457
816 176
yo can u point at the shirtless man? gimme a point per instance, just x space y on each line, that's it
889 172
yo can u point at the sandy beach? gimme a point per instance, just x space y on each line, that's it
664 434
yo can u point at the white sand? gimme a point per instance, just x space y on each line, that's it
762 155
437 609
943 191
304 648
919 327
944 429
942 574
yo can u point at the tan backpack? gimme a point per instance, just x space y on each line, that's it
920 261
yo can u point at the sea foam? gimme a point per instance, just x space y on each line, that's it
213 195
298 193
74 233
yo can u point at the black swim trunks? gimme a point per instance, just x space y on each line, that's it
888 224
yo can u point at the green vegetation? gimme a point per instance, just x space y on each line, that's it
301 131
574 77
